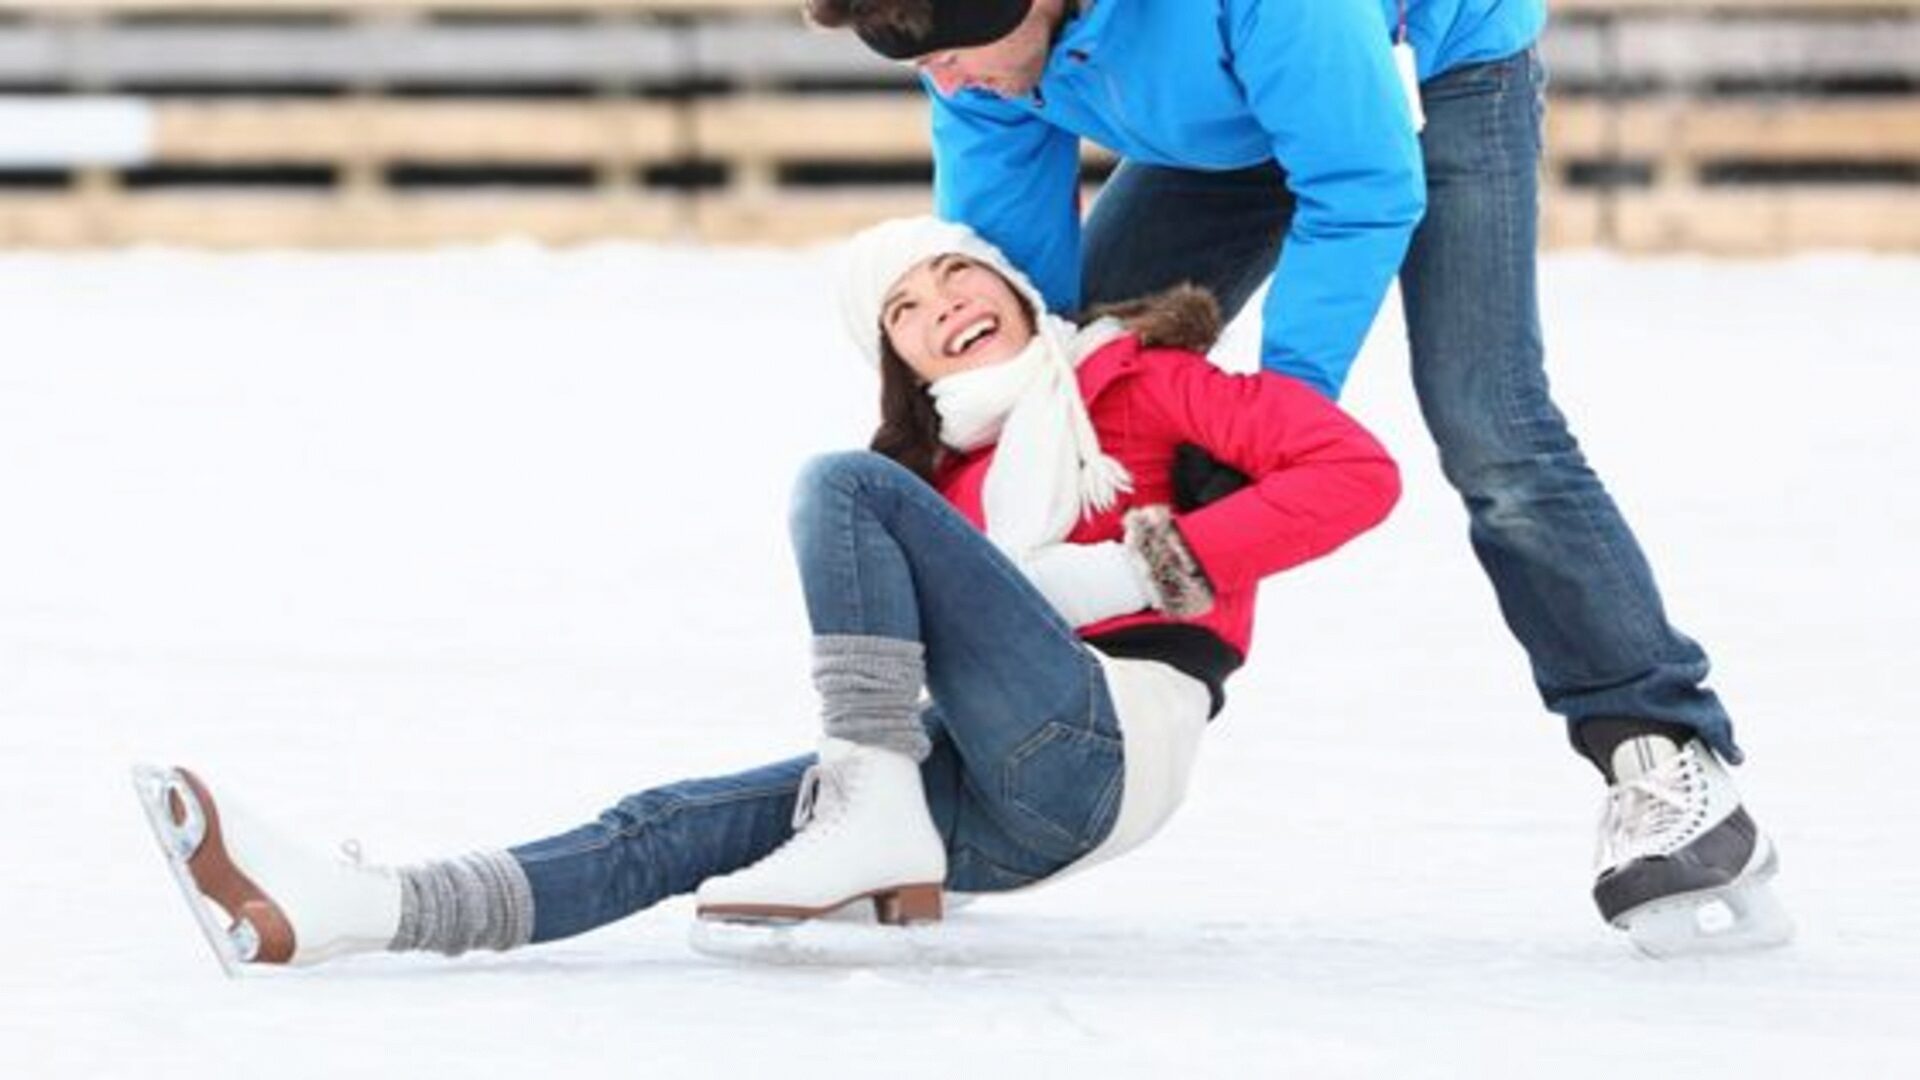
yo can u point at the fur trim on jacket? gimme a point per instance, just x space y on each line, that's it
1183 317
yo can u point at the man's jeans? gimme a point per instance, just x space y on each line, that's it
1571 580
1025 773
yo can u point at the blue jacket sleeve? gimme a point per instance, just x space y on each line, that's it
1015 180
1319 77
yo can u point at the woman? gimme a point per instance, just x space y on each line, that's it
1011 548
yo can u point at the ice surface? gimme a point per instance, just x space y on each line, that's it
450 550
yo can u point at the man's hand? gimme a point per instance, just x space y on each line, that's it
1199 478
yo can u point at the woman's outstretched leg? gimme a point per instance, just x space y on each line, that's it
659 843
285 900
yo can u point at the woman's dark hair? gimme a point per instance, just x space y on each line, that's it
909 431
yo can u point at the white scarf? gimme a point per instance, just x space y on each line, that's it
1049 469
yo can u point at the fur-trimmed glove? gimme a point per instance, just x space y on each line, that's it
1175 579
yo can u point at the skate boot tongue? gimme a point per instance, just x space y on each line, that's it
1638 757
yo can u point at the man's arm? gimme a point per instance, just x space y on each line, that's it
1015 179
1320 77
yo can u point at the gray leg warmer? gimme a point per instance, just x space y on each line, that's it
870 691
477 901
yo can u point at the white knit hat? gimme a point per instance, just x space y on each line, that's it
877 257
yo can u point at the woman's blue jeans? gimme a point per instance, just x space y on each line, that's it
1571 579
1025 772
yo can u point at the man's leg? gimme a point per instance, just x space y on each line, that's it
1153 228
1570 577
1682 867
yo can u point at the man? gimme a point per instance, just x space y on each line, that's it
1284 139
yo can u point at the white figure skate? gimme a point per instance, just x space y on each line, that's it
1682 867
864 833
282 901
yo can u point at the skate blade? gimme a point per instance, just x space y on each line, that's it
829 942
180 823
896 905
1742 917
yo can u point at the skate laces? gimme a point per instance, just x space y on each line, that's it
823 792
1654 813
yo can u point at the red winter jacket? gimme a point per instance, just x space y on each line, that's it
1319 479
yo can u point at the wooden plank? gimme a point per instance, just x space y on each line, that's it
756 50
820 127
1767 221
1572 219
1863 129
1683 49
839 127
774 44
46 221
589 52
328 222
224 131
1691 49
805 217
1802 130
33 53
802 217
1723 221
111 54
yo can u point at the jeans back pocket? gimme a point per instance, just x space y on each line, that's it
1064 782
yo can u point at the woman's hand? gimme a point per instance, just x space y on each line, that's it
1151 568
1088 583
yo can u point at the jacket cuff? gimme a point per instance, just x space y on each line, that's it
1178 583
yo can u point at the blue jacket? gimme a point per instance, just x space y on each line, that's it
1227 84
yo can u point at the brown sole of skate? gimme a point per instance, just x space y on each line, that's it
895 906
215 876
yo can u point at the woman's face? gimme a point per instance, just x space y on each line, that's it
951 314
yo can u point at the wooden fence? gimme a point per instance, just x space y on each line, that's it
1718 125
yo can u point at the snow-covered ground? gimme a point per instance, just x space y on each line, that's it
449 550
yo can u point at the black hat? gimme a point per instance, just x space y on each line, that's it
957 24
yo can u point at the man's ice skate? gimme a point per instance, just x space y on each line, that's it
864 833
1683 868
259 897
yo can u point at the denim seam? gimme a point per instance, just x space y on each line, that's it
966 853
849 538
678 804
1605 540
1645 623
1106 810
1052 732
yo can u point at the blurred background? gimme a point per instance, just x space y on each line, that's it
1725 126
